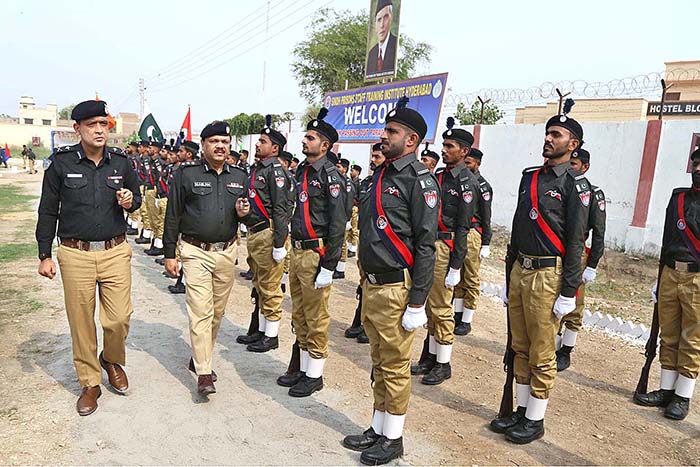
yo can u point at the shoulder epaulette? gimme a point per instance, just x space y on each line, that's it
419 168
239 168
576 174
116 151
190 164
440 170
66 148
531 169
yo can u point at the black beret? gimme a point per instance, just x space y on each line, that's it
475 153
215 128
133 143
234 154
345 163
322 127
457 134
287 156
567 122
89 109
383 4
695 154
158 144
408 118
581 154
190 146
274 135
295 159
376 147
144 143
427 152
332 157
356 167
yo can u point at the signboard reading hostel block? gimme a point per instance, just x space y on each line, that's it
674 108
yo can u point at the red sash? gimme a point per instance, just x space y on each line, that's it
392 242
441 225
543 230
687 235
253 195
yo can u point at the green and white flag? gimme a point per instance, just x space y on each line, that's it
150 131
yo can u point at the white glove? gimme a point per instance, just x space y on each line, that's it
588 275
485 252
653 293
348 225
563 306
452 278
504 294
413 318
278 254
156 202
324 278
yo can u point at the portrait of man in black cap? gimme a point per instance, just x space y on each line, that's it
381 59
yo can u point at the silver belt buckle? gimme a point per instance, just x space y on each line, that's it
218 246
682 266
297 244
527 263
371 278
97 246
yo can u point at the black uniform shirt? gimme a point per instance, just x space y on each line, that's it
564 196
674 247
320 208
81 197
269 198
482 216
409 200
458 188
202 204
349 195
596 227
356 186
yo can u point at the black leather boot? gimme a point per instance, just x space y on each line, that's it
501 425
338 275
141 240
660 398
678 408
462 329
263 345
564 357
526 431
383 451
306 386
289 379
363 338
439 373
424 367
177 288
352 333
155 251
361 442
132 231
249 339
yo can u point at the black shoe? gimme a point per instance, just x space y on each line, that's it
352 333
243 273
263 345
564 357
439 373
501 425
284 287
660 398
526 431
290 379
424 367
177 288
678 408
383 451
361 442
338 275
306 386
351 254
132 231
155 251
462 329
249 339
248 275
160 261
363 338
142 240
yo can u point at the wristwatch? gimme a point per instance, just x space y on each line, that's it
43 256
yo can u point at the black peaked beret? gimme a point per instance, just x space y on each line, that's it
345 163
457 134
332 157
376 147
144 143
566 122
158 144
287 156
190 146
695 154
215 128
408 118
324 128
89 109
476 153
234 154
274 135
356 167
581 154
295 159
428 153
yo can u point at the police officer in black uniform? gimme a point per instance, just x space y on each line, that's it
343 166
86 189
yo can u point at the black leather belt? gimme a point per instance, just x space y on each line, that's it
530 262
383 278
445 235
84 245
259 227
682 266
308 244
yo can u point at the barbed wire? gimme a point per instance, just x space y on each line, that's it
643 85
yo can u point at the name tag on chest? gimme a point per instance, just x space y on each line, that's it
74 175
202 184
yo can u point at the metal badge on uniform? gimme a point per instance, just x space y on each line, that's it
601 205
251 193
348 188
534 214
392 190
680 224
554 194
585 198
260 178
453 192
315 183
234 185
303 196
431 198
486 195
467 196
115 178
382 222
74 175
335 190
279 181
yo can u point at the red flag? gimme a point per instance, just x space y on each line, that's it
110 119
7 151
186 126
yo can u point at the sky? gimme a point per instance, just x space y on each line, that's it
211 54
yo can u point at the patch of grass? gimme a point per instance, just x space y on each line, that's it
12 199
41 152
14 251
15 303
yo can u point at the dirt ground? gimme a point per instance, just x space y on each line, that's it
251 420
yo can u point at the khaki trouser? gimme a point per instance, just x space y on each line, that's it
534 326
309 305
344 248
469 286
111 271
441 322
679 322
383 307
209 276
150 202
143 210
354 232
24 162
159 221
288 258
31 166
267 273
574 320
135 215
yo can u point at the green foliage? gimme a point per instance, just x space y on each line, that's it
492 114
64 113
244 124
13 200
336 50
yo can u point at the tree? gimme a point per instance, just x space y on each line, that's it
336 50
492 114
244 124
64 113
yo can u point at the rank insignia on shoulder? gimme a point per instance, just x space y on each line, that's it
423 171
